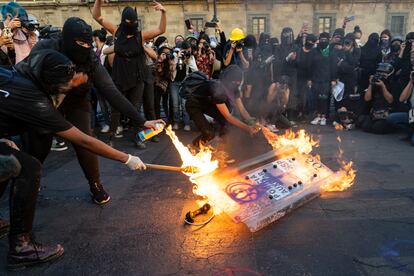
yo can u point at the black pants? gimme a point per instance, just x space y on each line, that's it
322 92
38 145
23 191
161 96
374 126
136 96
196 108
149 105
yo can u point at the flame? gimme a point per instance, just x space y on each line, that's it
339 127
344 178
202 160
300 140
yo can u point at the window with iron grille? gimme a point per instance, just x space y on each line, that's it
259 25
198 23
397 24
324 22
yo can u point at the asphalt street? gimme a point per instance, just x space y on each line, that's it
366 230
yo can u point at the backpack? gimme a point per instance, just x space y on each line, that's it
191 83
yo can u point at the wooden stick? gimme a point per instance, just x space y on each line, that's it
165 168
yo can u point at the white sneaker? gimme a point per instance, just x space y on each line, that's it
105 129
118 132
187 128
323 121
316 121
176 126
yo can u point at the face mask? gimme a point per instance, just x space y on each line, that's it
384 42
358 41
395 48
323 44
308 45
94 44
76 29
131 26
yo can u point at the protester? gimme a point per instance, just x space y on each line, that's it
129 69
370 57
76 43
28 100
385 43
216 99
233 52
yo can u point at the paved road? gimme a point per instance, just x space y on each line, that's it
367 230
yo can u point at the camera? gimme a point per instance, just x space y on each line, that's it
28 25
376 78
211 24
239 44
170 56
186 54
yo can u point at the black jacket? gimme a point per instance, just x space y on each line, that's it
324 69
98 78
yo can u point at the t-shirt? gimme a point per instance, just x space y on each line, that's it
23 106
378 100
213 92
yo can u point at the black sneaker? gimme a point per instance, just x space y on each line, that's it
99 195
24 252
4 228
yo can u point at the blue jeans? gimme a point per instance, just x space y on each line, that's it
178 104
400 119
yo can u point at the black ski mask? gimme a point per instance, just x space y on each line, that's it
287 36
129 21
76 29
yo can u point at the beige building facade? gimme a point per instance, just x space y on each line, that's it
253 16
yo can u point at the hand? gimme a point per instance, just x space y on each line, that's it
6 41
251 121
403 45
380 83
293 56
233 45
309 83
218 27
9 143
239 50
153 124
159 7
254 129
270 59
135 163
14 23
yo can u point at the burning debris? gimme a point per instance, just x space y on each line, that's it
263 189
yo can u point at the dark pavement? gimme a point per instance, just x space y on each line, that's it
367 230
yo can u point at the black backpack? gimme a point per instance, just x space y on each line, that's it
191 83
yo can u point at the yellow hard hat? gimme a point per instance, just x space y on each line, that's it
236 34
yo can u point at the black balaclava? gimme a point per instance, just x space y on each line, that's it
287 37
407 51
131 27
49 69
310 41
264 45
76 29
231 78
250 42
275 44
323 45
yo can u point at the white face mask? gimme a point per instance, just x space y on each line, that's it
37 33
94 44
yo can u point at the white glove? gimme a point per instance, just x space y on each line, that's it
135 163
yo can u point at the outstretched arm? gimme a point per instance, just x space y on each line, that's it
96 13
150 34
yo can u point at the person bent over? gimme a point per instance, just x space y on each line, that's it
217 99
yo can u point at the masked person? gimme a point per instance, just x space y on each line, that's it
379 99
27 101
288 50
7 53
358 36
302 61
217 99
76 44
324 76
370 57
129 70
385 43
347 74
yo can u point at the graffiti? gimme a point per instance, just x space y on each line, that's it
243 192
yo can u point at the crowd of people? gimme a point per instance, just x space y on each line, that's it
64 83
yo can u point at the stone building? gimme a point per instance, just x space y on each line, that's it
254 16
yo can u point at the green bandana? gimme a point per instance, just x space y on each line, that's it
325 52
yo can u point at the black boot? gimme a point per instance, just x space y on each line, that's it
24 252
4 228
